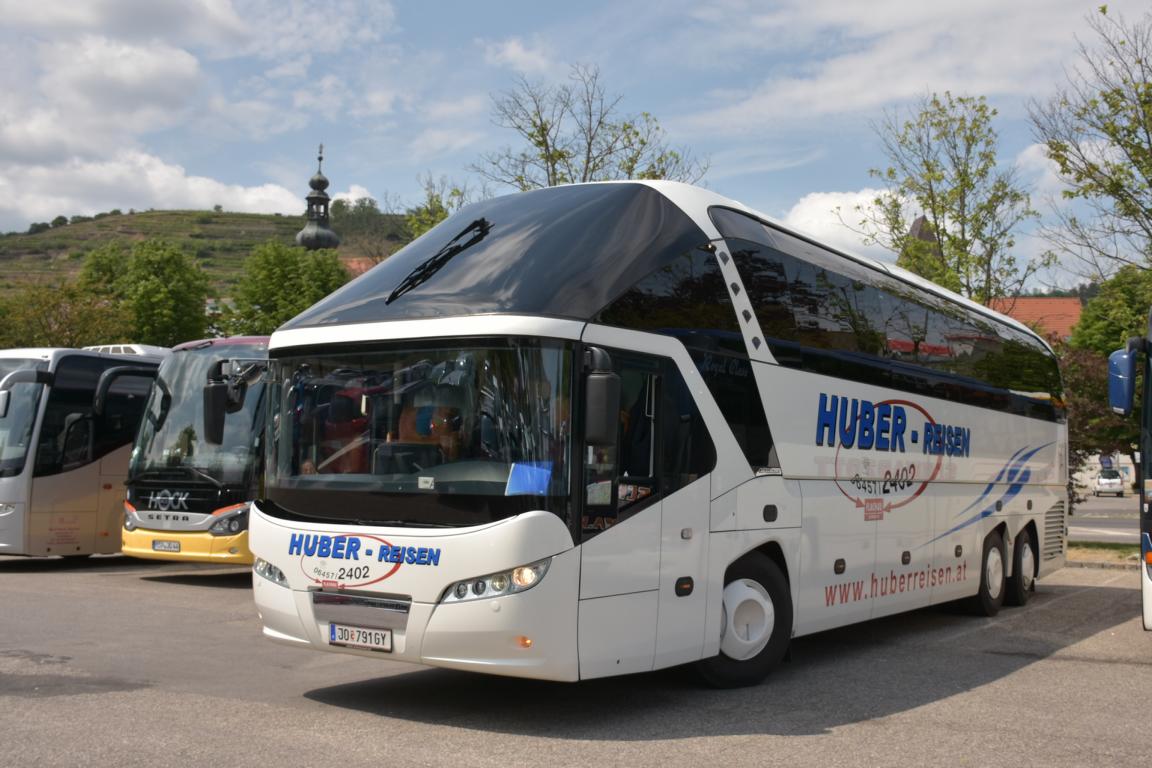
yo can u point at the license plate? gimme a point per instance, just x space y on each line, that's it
160 545
360 637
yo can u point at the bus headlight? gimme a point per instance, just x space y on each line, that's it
231 523
269 571
496 584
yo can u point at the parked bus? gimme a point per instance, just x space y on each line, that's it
609 428
188 497
1125 368
67 418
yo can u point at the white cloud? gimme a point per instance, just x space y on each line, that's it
280 30
256 118
816 215
355 192
515 54
210 22
326 95
756 159
824 59
296 68
432 143
455 109
1040 171
128 180
142 86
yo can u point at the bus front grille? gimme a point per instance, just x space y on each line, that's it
361 610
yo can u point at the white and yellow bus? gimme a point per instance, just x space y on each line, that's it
188 497
609 428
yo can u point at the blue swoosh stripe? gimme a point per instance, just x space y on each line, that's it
1018 477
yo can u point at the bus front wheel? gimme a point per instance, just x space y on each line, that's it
988 600
756 624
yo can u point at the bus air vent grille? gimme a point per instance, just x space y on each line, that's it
1054 531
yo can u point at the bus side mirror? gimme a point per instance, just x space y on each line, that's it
21 376
1121 380
225 393
601 400
215 408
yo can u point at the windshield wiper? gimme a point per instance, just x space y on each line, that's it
480 229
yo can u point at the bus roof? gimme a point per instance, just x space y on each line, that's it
562 252
55 353
248 341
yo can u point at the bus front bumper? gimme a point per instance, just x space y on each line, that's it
529 634
193 546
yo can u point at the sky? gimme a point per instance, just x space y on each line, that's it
173 104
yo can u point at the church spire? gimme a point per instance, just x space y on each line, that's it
316 233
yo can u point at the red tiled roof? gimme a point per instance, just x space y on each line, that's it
1052 316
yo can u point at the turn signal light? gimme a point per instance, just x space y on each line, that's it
1148 557
524 642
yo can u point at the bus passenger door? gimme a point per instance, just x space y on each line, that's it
620 553
837 559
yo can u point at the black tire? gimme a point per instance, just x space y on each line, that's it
1023 579
760 574
988 600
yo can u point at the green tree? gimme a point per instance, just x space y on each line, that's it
1098 131
366 229
280 282
1092 427
442 198
1118 311
165 290
943 168
61 314
158 287
574 132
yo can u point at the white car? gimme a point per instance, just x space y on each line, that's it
1108 481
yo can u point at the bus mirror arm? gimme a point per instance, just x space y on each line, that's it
224 394
602 399
100 399
22 376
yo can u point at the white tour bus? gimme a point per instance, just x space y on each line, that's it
67 419
608 428
1123 367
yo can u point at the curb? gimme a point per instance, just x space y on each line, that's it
1101 564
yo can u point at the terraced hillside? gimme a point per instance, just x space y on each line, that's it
219 241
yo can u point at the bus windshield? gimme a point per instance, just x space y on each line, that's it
169 441
454 435
16 426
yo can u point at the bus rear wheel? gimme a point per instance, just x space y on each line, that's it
756 626
1023 578
988 600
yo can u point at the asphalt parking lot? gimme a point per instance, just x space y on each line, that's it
115 662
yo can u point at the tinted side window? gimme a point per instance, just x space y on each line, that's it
71 436
733 386
687 299
827 306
